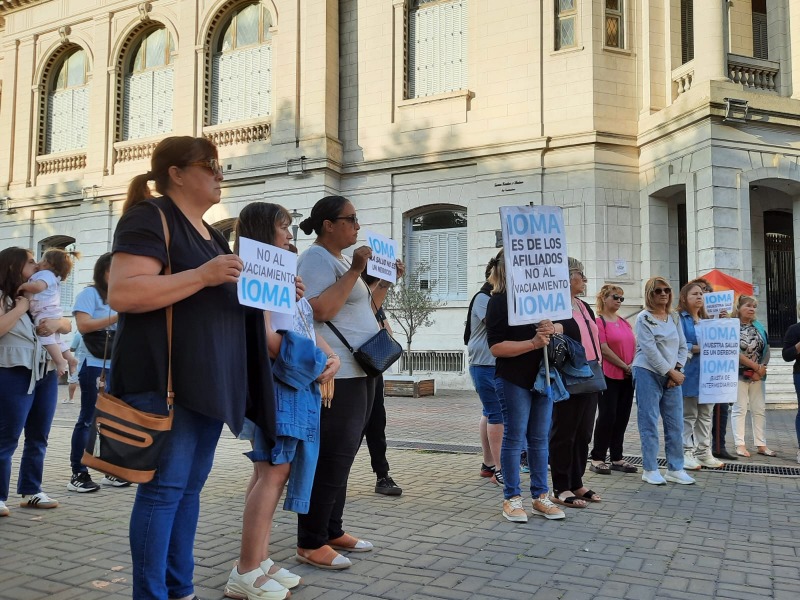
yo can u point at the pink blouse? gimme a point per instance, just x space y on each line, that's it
590 343
619 337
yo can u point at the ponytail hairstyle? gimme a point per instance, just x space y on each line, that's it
326 209
497 278
174 151
60 261
12 261
101 267
258 221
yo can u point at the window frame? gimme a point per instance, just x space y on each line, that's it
558 17
49 91
619 15
687 31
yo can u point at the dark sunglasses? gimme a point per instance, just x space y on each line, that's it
211 164
618 297
352 218
662 290
579 273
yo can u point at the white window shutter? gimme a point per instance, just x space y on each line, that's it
241 86
437 48
760 39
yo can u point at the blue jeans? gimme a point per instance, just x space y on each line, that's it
654 398
797 416
87 377
166 509
32 413
527 416
483 380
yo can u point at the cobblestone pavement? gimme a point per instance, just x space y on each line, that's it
733 535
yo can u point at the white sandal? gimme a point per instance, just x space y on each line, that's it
283 576
242 586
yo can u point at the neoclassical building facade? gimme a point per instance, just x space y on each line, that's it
667 130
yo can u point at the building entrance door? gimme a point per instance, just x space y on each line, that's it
779 259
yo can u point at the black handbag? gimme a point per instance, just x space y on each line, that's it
597 382
123 441
97 341
375 355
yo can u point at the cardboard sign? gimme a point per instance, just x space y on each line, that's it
719 360
537 273
716 302
267 280
383 263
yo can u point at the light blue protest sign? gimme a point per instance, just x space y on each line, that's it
383 263
719 360
537 273
716 302
267 279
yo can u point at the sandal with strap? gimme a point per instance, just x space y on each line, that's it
324 557
350 544
624 467
242 586
590 495
601 468
570 501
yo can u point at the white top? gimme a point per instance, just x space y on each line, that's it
46 304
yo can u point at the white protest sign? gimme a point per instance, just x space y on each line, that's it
716 302
719 360
383 263
537 274
267 280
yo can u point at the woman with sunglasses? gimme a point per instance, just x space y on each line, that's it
618 346
338 295
211 333
661 352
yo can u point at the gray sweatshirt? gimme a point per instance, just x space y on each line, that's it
659 345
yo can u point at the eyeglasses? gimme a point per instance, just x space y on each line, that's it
665 290
618 297
352 218
212 164
578 273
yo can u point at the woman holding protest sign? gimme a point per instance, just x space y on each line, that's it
341 298
753 361
661 352
527 414
697 417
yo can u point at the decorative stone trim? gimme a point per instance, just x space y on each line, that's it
753 73
129 151
233 134
50 164
682 78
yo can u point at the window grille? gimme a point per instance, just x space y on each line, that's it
565 21
687 31
433 361
615 21
437 47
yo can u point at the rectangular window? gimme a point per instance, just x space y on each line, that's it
566 23
615 22
760 41
67 120
443 256
687 31
147 104
241 84
437 47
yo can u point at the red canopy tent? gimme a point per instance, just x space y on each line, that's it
720 281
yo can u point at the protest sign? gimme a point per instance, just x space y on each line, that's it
716 302
267 279
383 263
537 274
719 360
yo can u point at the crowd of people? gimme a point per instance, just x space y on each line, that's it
261 374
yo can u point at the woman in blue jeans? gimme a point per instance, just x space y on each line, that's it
92 313
218 352
791 352
661 352
28 384
526 414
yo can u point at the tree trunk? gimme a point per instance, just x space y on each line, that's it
408 361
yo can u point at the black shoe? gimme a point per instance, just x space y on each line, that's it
387 487
724 455
82 482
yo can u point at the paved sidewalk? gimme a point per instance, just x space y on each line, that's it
733 535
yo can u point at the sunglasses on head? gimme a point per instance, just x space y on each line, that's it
664 290
618 297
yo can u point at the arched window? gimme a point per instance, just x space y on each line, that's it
67 243
241 69
437 252
67 120
147 100
437 47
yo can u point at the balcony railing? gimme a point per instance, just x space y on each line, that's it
682 78
233 134
134 150
753 73
49 164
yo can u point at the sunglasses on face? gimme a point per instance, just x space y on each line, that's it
579 274
664 290
618 297
212 164
352 218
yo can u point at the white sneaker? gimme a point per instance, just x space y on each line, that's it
679 477
653 478
283 576
513 511
689 462
243 586
4 512
40 500
709 462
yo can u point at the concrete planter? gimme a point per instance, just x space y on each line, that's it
410 386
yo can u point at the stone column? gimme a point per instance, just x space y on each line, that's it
711 40
102 100
23 153
793 26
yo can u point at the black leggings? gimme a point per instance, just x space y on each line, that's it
614 411
569 440
341 428
375 432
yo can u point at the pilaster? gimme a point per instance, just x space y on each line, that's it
101 99
24 113
711 40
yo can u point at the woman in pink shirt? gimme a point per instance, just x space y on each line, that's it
618 346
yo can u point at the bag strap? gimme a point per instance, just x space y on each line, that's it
589 327
340 336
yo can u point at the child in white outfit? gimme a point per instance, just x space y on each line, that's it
45 288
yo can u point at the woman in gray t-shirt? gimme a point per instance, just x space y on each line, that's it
338 295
